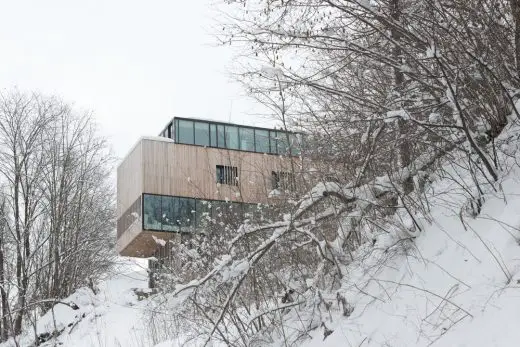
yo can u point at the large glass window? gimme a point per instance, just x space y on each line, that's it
203 213
232 137
247 139
294 140
168 213
186 212
273 141
221 140
174 214
185 131
282 142
262 141
213 135
201 134
152 212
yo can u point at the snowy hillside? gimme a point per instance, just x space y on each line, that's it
455 283
113 317
452 289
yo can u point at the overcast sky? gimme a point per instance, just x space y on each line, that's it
135 64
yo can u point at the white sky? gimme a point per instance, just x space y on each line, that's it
135 64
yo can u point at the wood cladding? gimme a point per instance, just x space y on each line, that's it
129 179
167 168
190 171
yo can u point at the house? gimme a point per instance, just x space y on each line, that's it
166 185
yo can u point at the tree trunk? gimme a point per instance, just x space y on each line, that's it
404 156
3 293
515 11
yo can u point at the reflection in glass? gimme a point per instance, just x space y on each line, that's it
273 142
186 212
213 135
168 213
232 137
185 131
152 212
294 140
262 141
247 139
178 214
221 141
201 134
203 213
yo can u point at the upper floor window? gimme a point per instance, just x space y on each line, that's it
262 141
236 137
247 139
184 132
201 134
232 137
227 175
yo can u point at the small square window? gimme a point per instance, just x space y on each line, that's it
227 175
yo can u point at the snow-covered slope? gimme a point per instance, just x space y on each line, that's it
456 284
113 317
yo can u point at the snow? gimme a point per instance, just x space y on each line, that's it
113 317
457 283
272 72
431 51
158 241
434 117
452 288
394 114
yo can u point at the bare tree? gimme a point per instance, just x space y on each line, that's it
57 206
387 91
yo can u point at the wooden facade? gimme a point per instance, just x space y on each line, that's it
160 166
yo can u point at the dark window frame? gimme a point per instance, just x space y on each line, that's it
195 218
228 175
219 142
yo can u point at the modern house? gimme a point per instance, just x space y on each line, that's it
166 184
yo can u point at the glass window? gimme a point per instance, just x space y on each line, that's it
221 142
282 143
203 213
227 175
170 131
232 137
294 140
186 212
152 212
201 134
185 131
168 213
247 139
216 209
262 141
213 135
272 141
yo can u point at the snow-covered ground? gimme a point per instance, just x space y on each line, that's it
458 285
113 317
